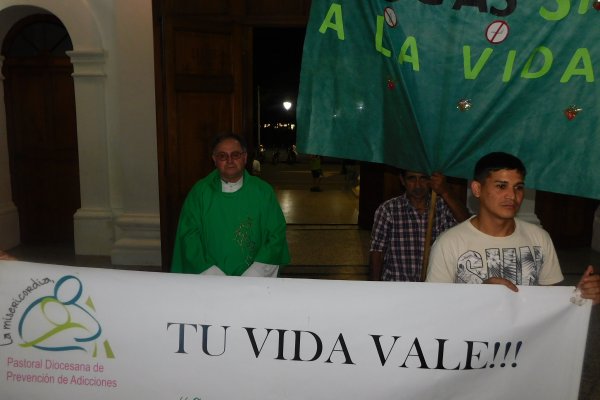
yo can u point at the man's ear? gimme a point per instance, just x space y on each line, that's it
476 188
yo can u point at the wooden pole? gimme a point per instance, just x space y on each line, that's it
428 235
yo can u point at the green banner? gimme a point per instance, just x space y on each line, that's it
432 85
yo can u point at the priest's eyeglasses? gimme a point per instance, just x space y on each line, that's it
234 155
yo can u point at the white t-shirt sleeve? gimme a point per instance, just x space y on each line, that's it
550 273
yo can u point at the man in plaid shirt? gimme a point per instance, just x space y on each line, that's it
400 225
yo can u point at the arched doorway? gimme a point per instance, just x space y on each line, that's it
41 128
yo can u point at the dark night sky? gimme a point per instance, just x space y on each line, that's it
277 60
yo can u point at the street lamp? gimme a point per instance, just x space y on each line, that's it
287 105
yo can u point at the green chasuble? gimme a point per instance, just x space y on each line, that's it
229 230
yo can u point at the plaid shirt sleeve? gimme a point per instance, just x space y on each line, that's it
380 231
444 218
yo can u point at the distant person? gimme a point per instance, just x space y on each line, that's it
275 157
260 153
345 163
231 223
350 170
400 226
256 167
496 247
316 172
292 154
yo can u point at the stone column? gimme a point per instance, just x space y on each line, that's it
93 222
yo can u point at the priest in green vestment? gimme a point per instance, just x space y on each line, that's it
231 222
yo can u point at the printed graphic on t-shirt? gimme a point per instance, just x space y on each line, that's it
520 265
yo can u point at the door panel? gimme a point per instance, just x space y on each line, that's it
201 63
42 132
43 151
199 115
568 219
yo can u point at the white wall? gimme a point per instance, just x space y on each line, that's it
136 157
114 90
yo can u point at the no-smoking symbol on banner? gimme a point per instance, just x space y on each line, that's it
497 32
390 17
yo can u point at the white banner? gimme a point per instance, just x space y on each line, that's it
81 333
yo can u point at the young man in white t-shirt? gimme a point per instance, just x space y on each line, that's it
494 246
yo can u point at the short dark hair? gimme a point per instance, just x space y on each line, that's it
229 135
496 161
402 172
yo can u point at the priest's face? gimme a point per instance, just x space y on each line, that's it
230 159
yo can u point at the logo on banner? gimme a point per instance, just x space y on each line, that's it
62 321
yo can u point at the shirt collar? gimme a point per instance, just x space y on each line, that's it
231 187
